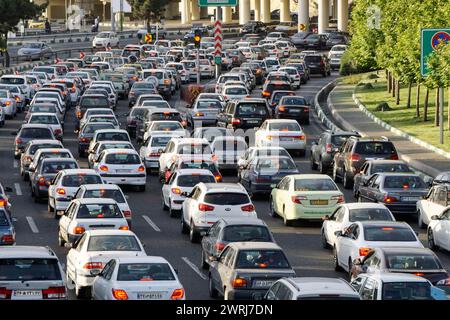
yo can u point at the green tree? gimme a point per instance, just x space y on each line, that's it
148 10
12 11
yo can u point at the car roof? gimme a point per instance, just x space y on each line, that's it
386 162
363 205
142 259
103 232
311 176
282 120
393 174
79 171
403 251
26 252
59 160
321 285
383 223
111 130
95 201
45 141
222 187
187 172
106 186
120 150
35 125
255 245
243 221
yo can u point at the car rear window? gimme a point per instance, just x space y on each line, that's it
113 243
295 101
29 269
405 183
198 149
339 140
160 141
43 108
174 116
76 180
44 119
227 198
198 165
209 105
246 233
36 133
407 291
288 126
314 59
116 136
192 179
100 102
122 158
91 128
145 272
105 193
55 154
94 211
262 259
315 185
114 146
275 164
55 167
388 233
36 147
237 90
278 86
372 147
406 261
370 214
390 167
252 109
166 126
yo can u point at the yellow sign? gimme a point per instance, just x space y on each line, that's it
302 27
197 38
148 38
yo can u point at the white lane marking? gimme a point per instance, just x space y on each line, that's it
194 267
15 164
151 223
33 226
18 189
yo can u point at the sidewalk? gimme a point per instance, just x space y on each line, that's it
350 117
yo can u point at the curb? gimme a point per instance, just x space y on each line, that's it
320 114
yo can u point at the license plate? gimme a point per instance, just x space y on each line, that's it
319 202
123 171
252 121
295 110
262 283
27 293
286 139
410 199
150 295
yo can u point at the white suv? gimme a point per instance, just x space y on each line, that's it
209 202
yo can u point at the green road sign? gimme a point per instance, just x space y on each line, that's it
216 3
430 39
218 60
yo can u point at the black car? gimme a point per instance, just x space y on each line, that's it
254 27
293 107
323 151
314 41
90 101
336 38
271 86
318 64
244 114
376 166
298 38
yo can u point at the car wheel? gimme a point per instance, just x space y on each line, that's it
335 176
184 227
337 267
272 212
325 244
431 244
347 181
172 213
204 264
287 222
49 207
313 164
193 234
420 223
213 293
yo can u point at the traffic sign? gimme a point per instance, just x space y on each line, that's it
430 40
217 3
148 38
218 60
302 27
218 37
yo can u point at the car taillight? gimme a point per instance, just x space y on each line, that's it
54 293
154 155
419 274
141 169
364 251
5 293
199 114
93 265
127 213
329 147
124 228
281 108
74 89
119 294
84 139
248 208
394 157
389 199
270 137
239 283
265 94
219 246
166 82
298 199
41 181
58 131
3 202
103 168
61 191
17 99
218 178
177 294
8 238
355 157
339 199
79 114
205 207
7 103
176 190
18 141
301 137
78 230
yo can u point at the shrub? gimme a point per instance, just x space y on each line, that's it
383 106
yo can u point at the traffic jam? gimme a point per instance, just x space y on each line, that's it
106 154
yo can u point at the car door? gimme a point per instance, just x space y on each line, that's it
339 159
283 193
226 269
166 188
424 205
64 221
366 190
104 279
360 176
209 240
52 187
74 255
217 266
334 223
345 244
190 203
442 230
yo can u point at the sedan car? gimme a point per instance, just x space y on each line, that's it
93 251
50 119
204 112
30 150
439 230
8 105
30 132
293 107
138 278
437 199
35 50
7 230
246 270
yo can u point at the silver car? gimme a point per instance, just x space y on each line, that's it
35 50
204 112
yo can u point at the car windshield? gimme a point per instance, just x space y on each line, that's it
315 185
44 119
272 62
155 102
32 45
4 221
43 108
122 158
406 261
198 149
407 291
6 80
240 233
25 269
404 182
145 272
103 35
388 233
371 147
198 165
261 259
105 193
115 136
113 243
368 214
55 167
160 141
113 77
76 180
227 198
253 109
191 180
91 128
165 126
36 133
94 211
87 102
390 167
236 90
143 85
293 101
274 164
202 104
279 126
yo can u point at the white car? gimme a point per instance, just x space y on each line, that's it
235 92
88 214
206 68
347 213
121 166
184 146
286 47
293 74
253 152
95 111
138 278
183 72
19 80
107 190
93 251
167 127
7 104
272 64
99 146
272 50
435 202
50 119
64 186
210 202
152 148
228 150
439 230
109 135
228 77
361 236
181 183
339 48
284 133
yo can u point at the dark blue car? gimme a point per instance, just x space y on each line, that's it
7 231
263 173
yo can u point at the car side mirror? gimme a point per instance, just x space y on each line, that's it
435 217
327 217
338 234
357 262
213 258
